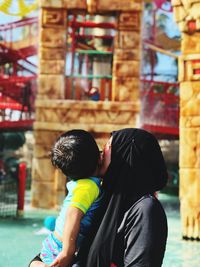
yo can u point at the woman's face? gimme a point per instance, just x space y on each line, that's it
105 158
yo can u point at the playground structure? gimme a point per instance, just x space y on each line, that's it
59 109
17 74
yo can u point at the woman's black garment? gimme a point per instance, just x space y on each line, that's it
137 169
142 234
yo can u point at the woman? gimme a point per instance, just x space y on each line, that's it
132 225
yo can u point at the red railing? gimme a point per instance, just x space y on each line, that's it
160 107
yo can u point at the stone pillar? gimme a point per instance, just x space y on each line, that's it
187 15
48 186
127 54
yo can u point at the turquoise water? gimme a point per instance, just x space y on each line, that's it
20 238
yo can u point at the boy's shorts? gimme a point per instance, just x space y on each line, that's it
51 247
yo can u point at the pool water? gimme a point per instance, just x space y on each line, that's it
21 238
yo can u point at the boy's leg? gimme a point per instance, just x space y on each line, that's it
38 264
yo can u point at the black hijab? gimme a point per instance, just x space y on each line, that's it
137 168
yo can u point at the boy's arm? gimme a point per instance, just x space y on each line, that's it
70 234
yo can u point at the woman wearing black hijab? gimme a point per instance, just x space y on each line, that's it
131 229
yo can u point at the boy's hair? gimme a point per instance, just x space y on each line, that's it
76 154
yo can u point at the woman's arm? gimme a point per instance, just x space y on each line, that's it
70 234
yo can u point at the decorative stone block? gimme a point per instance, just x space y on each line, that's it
189 67
190 43
127 40
129 21
51 3
51 86
52 67
53 17
98 117
127 54
52 53
118 5
75 4
190 99
126 68
190 148
55 38
125 89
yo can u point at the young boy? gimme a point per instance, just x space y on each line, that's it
77 155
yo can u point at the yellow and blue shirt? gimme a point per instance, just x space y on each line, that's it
84 194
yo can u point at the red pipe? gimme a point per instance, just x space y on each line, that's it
21 187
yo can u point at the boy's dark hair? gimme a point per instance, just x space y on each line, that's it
76 154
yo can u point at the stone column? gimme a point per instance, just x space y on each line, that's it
48 186
187 15
127 54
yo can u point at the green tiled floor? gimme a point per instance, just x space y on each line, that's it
19 241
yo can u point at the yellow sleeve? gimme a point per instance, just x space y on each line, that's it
84 194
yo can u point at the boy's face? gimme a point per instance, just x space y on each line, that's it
105 158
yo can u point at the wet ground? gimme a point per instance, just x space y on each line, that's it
21 238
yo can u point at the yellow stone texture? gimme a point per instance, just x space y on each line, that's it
176 2
125 89
43 170
190 202
51 3
117 5
189 156
189 66
52 37
179 13
129 21
92 6
52 53
190 99
43 194
126 68
127 54
53 18
60 180
195 10
51 86
190 43
190 121
75 4
127 40
43 143
52 67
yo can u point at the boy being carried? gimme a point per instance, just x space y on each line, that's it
77 155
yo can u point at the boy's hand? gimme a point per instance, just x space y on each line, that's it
61 261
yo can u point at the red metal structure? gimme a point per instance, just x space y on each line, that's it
17 74
160 100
